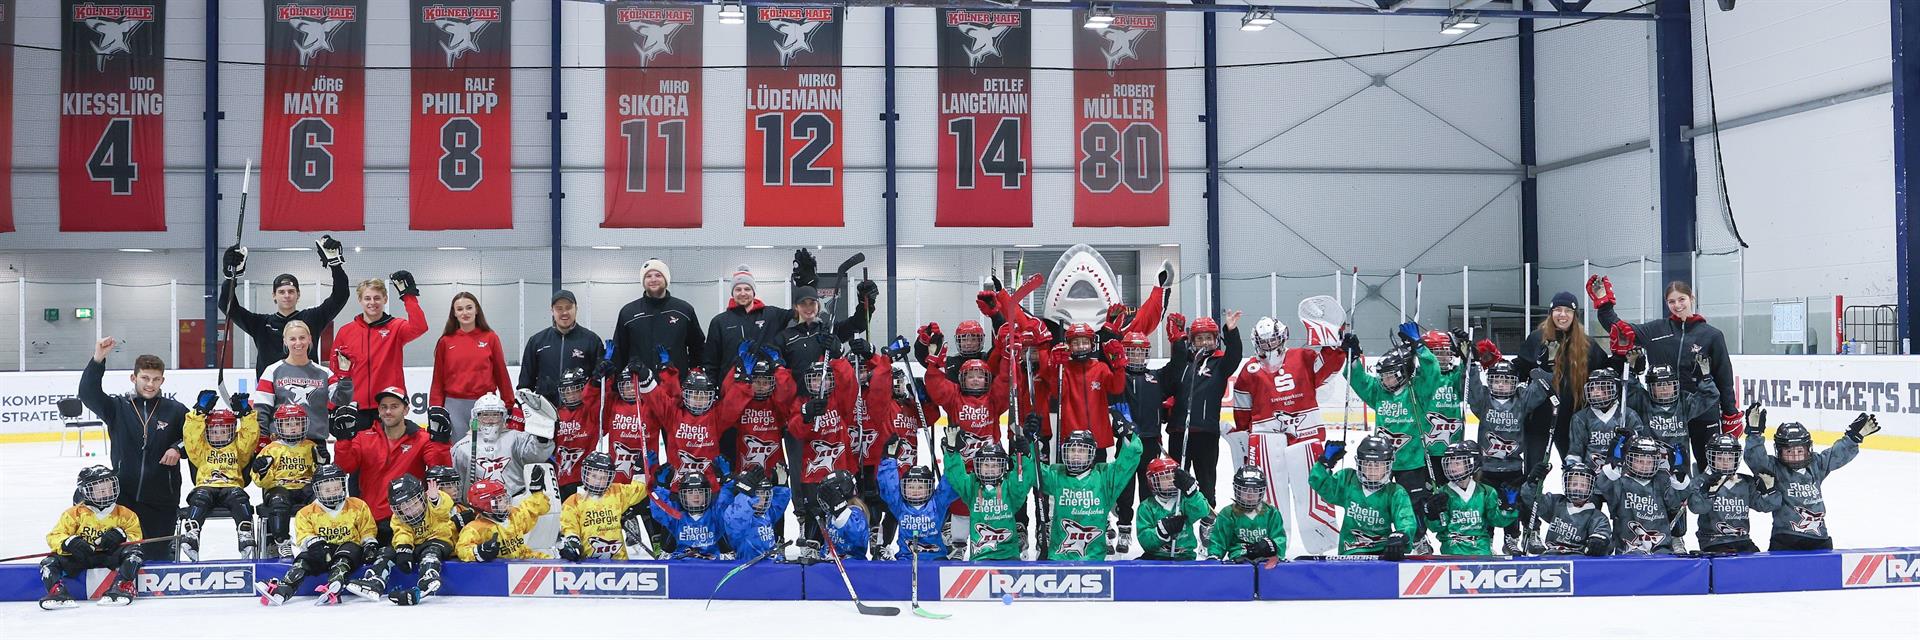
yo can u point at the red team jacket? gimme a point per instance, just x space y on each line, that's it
377 461
759 431
576 433
828 441
885 417
1283 400
630 436
467 365
977 416
693 442
1088 384
378 352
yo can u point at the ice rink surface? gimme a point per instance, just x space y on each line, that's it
1871 504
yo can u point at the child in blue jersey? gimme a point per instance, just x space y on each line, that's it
834 507
753 501
919 499
694 528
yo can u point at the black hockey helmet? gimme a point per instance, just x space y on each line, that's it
990 464
330 486
763 380
1374 460
819 379
1460 461
1078 451
573 387
918 485
596 473
444 478
1395 369
1723 454
1643 454
698 393
1663 384
408 496
1603 389
1793 444
694 492
1503 379
1576 480
1249 488
99 487
837 488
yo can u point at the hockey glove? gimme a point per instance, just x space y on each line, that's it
344 423
1409 335
205 401
233 263
1597 546
866 294
950 436
1434 506
1600 291
1677 460
925 335
1262 548
331 253
241 403
1170 527
1351 345
1509 499
1863 426
261 464
1206 528
1031 425
1184 481
1176 327
403 283
1755 416
1637 360
403 558
604 369
537 480
898 348
813 409
860 348
570 549
1539 472
1488 353
988 302
489 550
1766 481
806 269
76 547
1733 424
1620 338
439 425
1461 346
1331 455
1395 549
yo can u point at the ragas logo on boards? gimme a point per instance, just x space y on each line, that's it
183 581
1053 583
1900 569
586 581
1468 580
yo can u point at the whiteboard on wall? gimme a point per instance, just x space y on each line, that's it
1790 322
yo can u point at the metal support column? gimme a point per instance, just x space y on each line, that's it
1529 185
556 191
1673 44
1906 144
1210 48
891 196
210 235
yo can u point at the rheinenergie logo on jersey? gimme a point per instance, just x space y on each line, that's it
1879 569
586 581
1051 583
182 581
1467 580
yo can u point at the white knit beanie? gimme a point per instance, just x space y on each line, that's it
656 264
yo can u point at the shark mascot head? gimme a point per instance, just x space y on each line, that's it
1081 287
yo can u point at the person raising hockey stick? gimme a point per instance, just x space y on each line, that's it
1644 498
1444 409
768 391
1574 523
1465 522
634 443
93 535
1800 522
267 329
283 470
1503 407
1723 497
1398 391
499 530
1378 514
1277 422
1166 516
1083 491
993 495
595 519
220 446
335 535
423 535
837 512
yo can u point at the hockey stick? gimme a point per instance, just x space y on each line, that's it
864 608
226 333
128 543
778 546
1410 558
916 591
1042 509
1346 403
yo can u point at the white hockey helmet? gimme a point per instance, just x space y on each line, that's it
1270 335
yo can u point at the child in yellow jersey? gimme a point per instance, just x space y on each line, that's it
336 534
423 536
500 531
282 470
220 444
93 535
600 521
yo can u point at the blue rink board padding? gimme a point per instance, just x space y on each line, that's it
1133 580
1122 581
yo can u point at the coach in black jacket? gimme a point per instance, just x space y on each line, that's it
1682 340
555 349
142 429
657 319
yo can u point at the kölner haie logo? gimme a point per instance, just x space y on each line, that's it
653 29
1891 569
1476 579
181 581
113 27
461 27
1120 39
795 27
314 25
547 580
1045 583
983 30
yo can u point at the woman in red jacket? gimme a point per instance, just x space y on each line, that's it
467 363
376 342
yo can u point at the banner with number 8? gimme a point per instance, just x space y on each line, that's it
461 150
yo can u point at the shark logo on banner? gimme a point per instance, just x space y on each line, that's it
462 26
795 38
112 116
113 36
1119 45
656 38
315 36
982 41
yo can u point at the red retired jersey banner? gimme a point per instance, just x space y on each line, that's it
985 131
314 150
462 139
112 120
6 116
793 117
1120 102
653 116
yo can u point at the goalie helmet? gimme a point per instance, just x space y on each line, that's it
1374 461
489 416
1249 488
698 393
1270 336
573 387
289 422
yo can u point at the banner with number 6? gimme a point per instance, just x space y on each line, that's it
1120 120
461 145
112 116
313 152
653 116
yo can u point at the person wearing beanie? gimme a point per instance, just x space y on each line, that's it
264 329
555 349
1561 346
746 321
657 319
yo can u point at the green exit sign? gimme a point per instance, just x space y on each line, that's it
50 315
82 313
